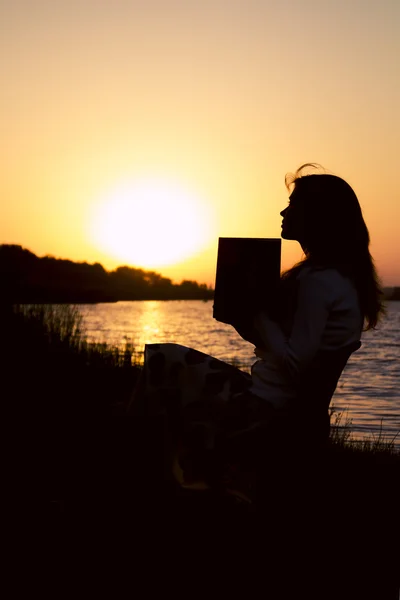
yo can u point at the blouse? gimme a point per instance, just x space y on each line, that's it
327 316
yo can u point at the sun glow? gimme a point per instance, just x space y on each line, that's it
151 223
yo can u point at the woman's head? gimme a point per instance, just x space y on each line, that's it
325 216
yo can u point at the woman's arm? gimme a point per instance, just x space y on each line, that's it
314 302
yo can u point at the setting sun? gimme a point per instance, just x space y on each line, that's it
151 222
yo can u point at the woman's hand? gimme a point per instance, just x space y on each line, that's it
266 329
245 329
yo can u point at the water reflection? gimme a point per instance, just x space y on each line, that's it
149 326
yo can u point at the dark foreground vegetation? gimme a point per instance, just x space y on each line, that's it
27 278
322 525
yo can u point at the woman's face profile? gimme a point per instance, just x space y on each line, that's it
293 227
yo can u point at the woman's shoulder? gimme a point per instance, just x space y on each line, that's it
318 279
307 274
326 278
321 273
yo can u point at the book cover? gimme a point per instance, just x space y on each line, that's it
247 278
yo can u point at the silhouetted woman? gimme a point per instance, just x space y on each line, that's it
328 298
324 303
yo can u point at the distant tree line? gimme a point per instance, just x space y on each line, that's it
27 278
392 293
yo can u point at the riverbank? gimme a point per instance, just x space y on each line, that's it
45 353
103 478
52 370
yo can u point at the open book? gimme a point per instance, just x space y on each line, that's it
247 278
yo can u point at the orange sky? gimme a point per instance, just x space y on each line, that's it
221 98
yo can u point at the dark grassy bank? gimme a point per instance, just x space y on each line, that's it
50 365
326 524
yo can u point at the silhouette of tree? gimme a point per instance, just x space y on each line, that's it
27 278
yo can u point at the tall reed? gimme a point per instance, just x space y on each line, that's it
58 328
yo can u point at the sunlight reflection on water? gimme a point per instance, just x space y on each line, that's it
368 389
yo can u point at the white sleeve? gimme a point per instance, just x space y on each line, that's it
314 302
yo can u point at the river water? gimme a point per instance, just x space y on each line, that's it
368 392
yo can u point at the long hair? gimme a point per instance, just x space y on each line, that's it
335 235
